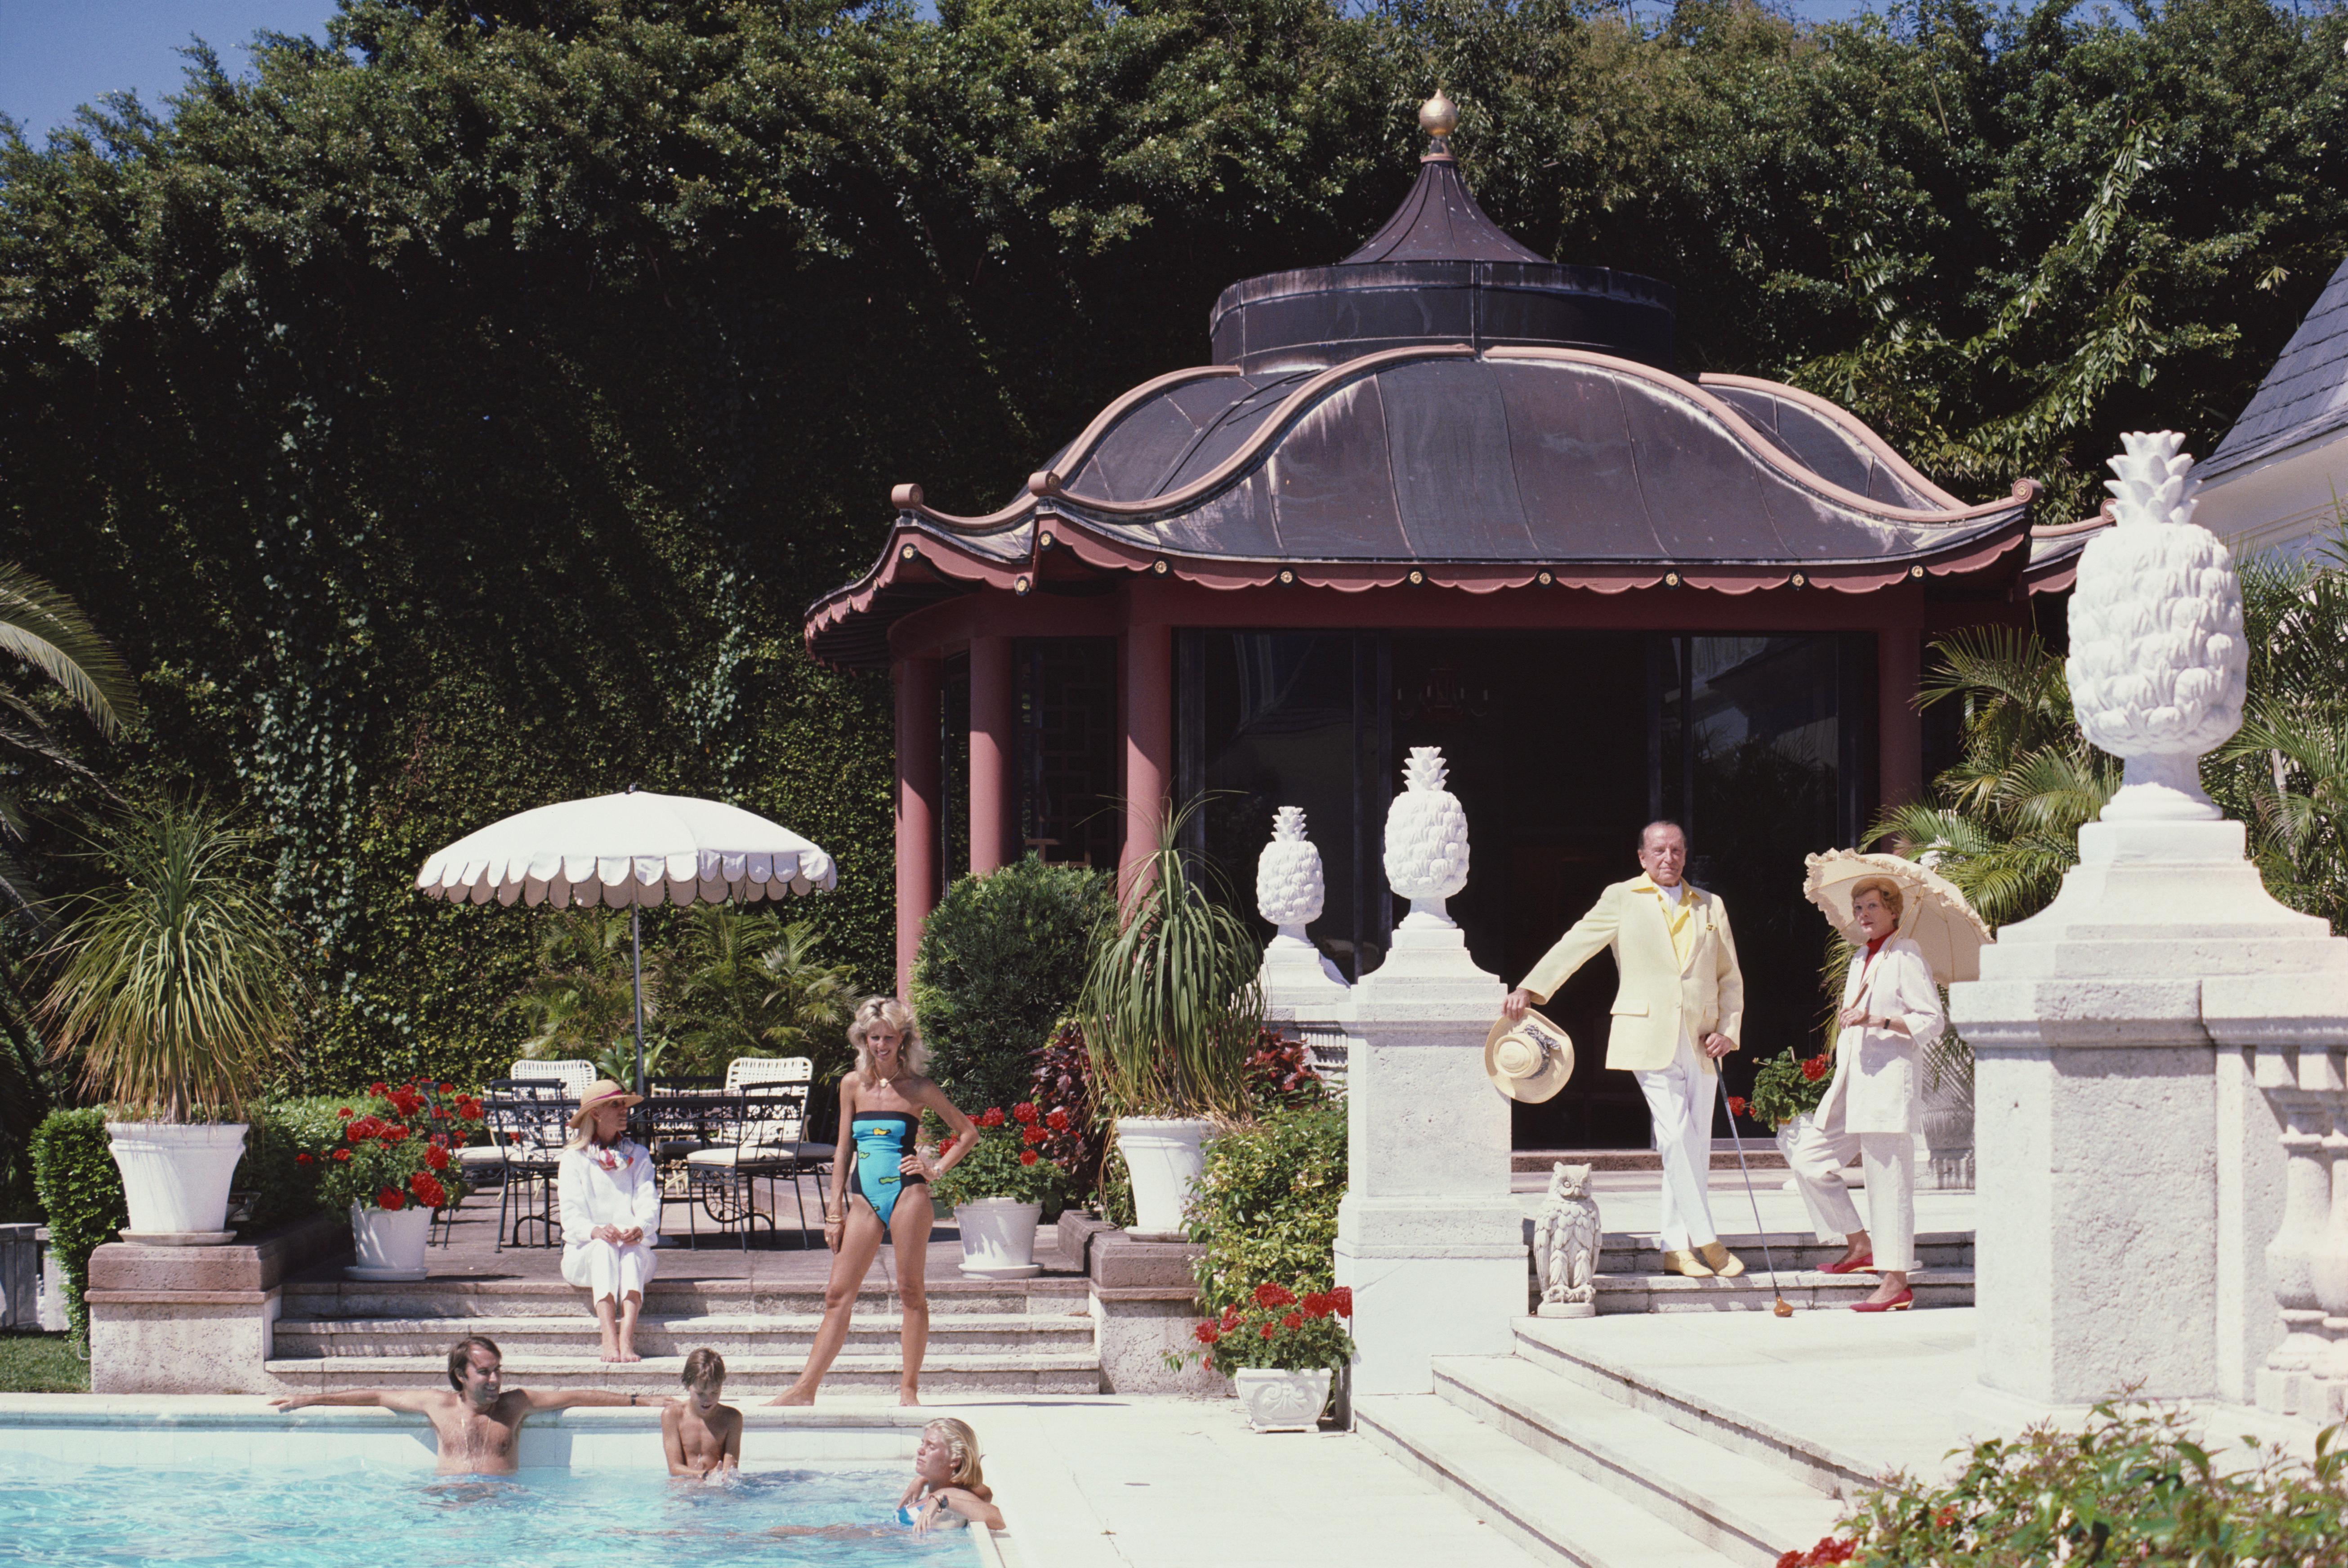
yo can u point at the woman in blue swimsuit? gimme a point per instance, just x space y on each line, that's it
881 1188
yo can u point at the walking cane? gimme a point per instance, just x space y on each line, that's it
1782 1308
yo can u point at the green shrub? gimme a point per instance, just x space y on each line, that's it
284 1190
1002 958
2133 1487
1266 1208
81 1199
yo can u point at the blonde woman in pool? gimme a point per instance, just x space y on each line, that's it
948 1488
880 1187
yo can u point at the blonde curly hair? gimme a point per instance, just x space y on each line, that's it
911 1053
1892 899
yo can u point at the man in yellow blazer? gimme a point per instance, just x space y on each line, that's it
1680 1005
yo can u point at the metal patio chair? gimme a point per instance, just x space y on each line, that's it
529 1121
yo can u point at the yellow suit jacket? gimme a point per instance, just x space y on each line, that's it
1658 997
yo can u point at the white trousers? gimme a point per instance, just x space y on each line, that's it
1679 1102
607 1269
1818 1155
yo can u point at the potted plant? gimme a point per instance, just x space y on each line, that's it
1171 1011
394 1164
1785 1091
1280 1349
999 1190
178 984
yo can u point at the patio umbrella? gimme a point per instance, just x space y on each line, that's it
633 849
1933 914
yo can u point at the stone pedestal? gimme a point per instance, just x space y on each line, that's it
1427 974
1301 983
1429 1237
2130 1171
1144 1302
195 1320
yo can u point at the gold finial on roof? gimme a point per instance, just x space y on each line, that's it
1438 116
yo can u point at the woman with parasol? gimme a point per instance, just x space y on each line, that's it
1913 931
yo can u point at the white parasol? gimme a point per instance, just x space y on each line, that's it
1934 913
631 850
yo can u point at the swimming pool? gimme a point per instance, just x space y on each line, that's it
229 1483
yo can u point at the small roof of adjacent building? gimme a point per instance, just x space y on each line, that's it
1446 407
2303 397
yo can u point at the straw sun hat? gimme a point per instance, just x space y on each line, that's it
601 1092
1528 1059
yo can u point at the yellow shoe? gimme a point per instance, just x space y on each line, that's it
1685 1262
1724 1263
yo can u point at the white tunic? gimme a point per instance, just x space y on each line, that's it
612 1185
1876 1081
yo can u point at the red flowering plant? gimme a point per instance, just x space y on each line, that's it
1280 1072
1274 1327
1062 1090
1007 1162
1788 1086
397 1148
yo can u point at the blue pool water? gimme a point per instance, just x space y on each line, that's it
52 1513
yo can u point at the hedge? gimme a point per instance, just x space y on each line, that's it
1002 958
81 1198
1266 1204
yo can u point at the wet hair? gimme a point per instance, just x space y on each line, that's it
1662 822
911 1053
704 1368
1887 887
962 1447
460 1356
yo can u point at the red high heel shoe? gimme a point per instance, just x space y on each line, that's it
1850 1266
1900 1303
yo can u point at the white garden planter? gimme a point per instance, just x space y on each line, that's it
1279 1401
1164 1156
389 1243
998 1237
175 1178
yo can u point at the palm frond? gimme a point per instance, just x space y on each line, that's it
43 626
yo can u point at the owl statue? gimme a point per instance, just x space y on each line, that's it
1565 1244
2157 658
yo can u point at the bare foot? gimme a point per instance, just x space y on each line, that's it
627 1353
792 1397
909 1396
611 1352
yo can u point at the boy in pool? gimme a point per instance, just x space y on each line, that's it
480 1421
704 1437
947 1486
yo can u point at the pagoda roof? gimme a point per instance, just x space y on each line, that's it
1438 465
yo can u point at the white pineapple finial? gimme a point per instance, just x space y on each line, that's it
1289 888
2158 662
1426 840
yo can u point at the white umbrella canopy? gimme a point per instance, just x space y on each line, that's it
636 847
1934 914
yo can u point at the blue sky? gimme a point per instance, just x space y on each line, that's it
56 55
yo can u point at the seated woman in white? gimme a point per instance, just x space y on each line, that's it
1890 1010
610 1204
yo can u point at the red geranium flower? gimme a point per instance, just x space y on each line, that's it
1294 1320
1023 1113
303 1160
436 1157
379 1090
1342 1298
345 1114
991 1117
392 1199
1267 1331
342 1153
1737 1105
1230 1317
1317 1303
448 1089
1269 1296
1028 1156
1206 1333
1057 1120
1814 1067
428 1191
1033 1135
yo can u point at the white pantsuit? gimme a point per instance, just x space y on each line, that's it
614 1185
1872 1107
1679 1102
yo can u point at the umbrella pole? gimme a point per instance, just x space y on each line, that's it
636 965
1782 1309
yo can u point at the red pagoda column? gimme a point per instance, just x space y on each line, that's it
918 718
1148 737
1899 727
990 753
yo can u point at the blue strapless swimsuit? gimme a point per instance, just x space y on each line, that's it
882 1139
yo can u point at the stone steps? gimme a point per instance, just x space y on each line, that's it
455 1298
1637 1252
1757 1290
664 1334
753 1375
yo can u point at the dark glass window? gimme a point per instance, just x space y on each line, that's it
1071 787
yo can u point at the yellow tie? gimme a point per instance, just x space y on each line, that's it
1675 916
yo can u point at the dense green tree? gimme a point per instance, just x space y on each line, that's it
456 414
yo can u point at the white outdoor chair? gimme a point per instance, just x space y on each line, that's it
766 1142
573 1074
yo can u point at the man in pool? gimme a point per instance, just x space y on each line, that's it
480 1420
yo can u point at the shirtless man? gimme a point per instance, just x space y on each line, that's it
480 1422
703 1438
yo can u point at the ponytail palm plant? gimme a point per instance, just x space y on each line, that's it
175 978
1171 1003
